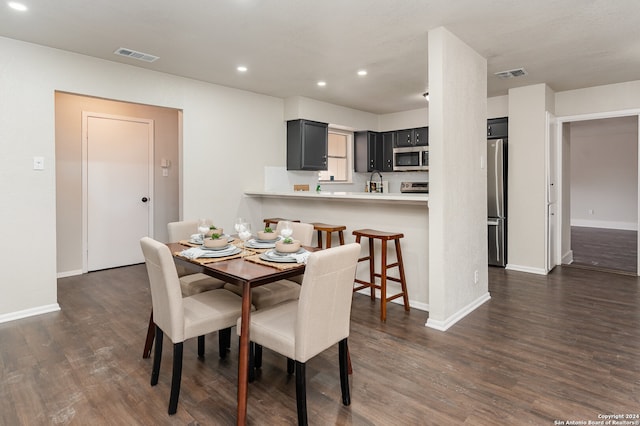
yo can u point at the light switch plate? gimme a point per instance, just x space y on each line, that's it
38 163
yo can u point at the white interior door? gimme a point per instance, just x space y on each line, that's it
118 178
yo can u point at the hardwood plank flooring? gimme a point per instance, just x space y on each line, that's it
560 347
605 249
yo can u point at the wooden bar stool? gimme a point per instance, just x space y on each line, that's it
323 227
372 234
274 221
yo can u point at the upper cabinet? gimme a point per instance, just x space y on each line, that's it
412 137
388 142
307 145
497 128
373 151
367 153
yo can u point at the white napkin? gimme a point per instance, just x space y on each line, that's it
302 257
193 253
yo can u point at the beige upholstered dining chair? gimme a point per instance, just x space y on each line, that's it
301 329
279 291
190 283
183 318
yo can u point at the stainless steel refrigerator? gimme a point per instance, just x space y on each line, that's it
497 200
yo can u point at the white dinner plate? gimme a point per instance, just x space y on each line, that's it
276 258
199 242
253 243
281 253
222 253
227 247
268 241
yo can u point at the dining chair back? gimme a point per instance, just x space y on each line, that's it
283 290
183 318
181 230
190 283
320 318
302 232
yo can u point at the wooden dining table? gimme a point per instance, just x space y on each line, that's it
248 274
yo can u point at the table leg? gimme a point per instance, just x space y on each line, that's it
243 355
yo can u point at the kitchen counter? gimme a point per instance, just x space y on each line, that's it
392 197
393 212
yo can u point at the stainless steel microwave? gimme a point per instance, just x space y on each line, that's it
411 158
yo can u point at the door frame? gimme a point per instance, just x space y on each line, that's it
85 176
553 242
560 121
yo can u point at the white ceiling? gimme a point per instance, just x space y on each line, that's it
288 45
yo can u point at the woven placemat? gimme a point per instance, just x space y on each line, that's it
278 265
205 260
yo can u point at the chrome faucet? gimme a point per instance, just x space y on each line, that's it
379 187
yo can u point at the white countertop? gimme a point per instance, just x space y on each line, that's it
395 197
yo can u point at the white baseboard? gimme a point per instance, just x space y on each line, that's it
12 316
527 269
446 324
606 224
412 303
567 258
69 273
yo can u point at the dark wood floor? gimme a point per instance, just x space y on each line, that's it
560 347
599 248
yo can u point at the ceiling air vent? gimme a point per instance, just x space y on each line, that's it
518 72
135 55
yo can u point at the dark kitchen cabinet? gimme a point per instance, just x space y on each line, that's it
497 128
388 142
367 151
373 151
412 137
307 145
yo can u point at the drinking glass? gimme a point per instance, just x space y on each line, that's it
238 224
286 230
203 228
244 234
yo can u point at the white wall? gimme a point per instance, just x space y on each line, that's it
311 109
234 126
611 97
404 120
498 106
604 173
458 184
526 211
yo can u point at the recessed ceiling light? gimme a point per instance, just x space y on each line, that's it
17 6
362 73
242 68
322 83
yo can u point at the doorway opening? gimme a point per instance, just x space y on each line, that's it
165 179
600 193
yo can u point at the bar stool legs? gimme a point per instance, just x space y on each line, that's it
384 237
323 227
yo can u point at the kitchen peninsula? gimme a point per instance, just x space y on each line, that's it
396 212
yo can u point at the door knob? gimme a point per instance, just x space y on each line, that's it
145 199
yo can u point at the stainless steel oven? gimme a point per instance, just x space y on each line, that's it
411 158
